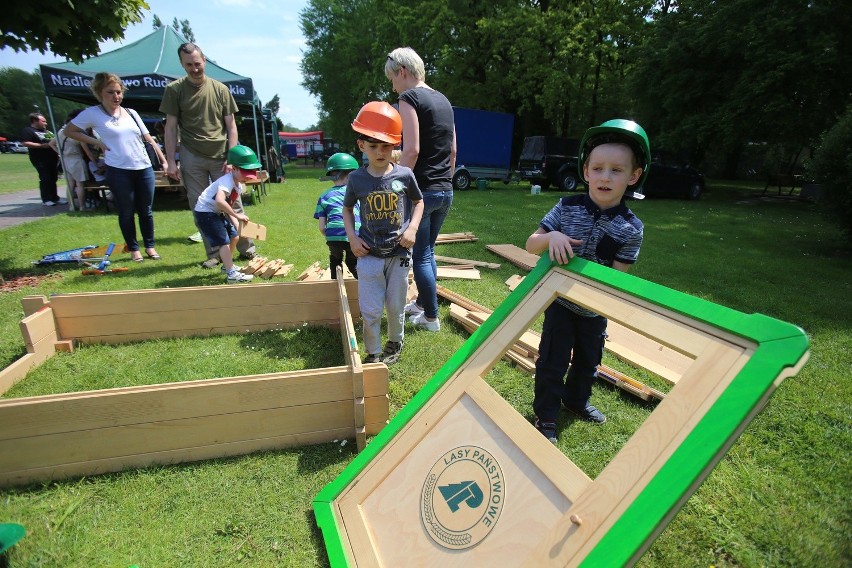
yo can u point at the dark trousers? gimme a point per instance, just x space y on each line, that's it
336 252
569 343
133 191
47 174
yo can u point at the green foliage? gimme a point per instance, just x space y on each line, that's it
68 29
183 28
832 169
713 76
21 93
497 55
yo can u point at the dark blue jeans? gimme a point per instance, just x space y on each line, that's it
567 340
436 205
133 191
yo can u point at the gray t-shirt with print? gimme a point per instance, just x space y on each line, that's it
385 205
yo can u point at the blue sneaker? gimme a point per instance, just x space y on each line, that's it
547 429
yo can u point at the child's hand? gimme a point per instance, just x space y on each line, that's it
359 247
242 217
561 246
408 237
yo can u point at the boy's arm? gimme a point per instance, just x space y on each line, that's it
358 246
321 224
408 237
224 206
559 245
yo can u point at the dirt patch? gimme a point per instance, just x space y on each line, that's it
17 282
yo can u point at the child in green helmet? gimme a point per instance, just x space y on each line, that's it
214 213
329 213
597 226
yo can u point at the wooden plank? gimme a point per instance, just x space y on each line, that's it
515 254
254 265
513 281
456 274
451 260
464 237
37 326
251 230
192 431
32 304
311 273
195 297
43 415
65 346
19 369
188 322
456 298
94 467
284 270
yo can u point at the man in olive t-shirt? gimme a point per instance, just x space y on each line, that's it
200 109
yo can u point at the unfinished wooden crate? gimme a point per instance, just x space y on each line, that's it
50 437
459 478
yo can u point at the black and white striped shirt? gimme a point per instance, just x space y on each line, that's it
607 235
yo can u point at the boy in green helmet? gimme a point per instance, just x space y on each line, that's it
329 213
214 213
597 226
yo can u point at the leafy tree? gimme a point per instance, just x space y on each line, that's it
719 75
157 23
22 93
274 104
832 167
72 30
182 27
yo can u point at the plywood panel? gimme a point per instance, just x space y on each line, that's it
36 416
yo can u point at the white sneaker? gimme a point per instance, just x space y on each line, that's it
237 268
237 277
420 321
194 238
412 309
49 203
62 201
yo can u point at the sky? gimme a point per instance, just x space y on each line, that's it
260 39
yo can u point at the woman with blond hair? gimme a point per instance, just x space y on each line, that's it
428 148
121 135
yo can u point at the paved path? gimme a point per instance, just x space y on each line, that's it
25 206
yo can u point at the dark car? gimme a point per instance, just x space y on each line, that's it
548 160
671 177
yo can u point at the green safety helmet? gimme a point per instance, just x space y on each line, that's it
623 131
341 162
244 158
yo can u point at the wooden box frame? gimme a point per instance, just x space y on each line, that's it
373 514
50 437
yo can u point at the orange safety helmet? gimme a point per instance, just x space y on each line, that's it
379 120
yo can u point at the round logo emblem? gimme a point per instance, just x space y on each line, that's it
462 497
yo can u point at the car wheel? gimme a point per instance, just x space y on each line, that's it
461 181
568 181
694 191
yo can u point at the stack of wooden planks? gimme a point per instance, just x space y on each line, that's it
265 268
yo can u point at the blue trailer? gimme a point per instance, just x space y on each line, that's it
484 146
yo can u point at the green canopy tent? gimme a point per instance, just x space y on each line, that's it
146 66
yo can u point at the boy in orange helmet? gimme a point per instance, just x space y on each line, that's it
391 206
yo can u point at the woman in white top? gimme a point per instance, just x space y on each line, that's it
73 156
129 173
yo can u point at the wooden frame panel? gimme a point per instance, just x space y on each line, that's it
82 433
736 363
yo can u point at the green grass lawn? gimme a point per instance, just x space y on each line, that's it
779 498
17 173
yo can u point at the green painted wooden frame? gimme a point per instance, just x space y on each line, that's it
780 346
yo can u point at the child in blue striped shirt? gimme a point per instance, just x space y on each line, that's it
329 213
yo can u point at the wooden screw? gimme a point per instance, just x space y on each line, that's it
576 520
